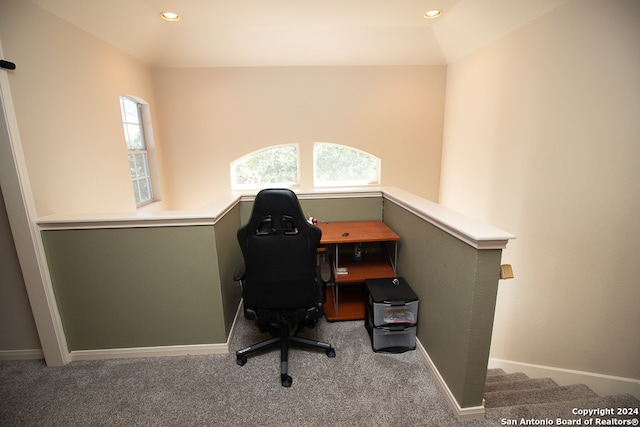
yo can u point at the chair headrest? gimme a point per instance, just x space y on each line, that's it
277 203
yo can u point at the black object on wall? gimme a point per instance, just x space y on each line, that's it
8 65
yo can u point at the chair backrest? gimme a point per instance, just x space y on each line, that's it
279 249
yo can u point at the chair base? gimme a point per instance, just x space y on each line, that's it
284 341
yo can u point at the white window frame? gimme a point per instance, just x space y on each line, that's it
259 185
345 183
150 166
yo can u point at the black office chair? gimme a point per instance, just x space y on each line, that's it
279 282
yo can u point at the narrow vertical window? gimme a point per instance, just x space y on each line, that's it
134 135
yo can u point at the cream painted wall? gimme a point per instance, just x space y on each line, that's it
65 90
542 138
210 117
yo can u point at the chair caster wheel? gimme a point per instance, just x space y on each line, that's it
331 352
241 360
286 380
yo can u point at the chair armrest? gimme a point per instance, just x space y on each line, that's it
325 277
325 272
238 274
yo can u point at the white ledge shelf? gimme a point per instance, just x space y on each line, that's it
469 230
473 232
207 215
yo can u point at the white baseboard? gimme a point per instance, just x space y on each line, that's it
463 414
30 354
603 385
126 353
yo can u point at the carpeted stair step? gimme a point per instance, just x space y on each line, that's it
516 376
535 396
515 397
535 383
564 410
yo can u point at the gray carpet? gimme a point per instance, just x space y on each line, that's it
357 388
513 399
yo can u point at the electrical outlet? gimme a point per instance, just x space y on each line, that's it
506 271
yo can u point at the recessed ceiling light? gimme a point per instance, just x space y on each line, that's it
433 13
170 16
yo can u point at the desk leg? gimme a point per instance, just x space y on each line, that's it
335 284
395 257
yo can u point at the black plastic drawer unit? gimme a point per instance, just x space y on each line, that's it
391 314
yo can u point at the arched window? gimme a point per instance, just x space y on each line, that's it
275 166
138 136
339 165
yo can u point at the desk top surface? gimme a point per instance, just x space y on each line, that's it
356 232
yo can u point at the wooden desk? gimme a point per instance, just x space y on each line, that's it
348 302
355 232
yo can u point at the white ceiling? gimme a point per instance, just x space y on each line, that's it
217 33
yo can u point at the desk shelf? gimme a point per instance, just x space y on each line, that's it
351 303
346 297
372 266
